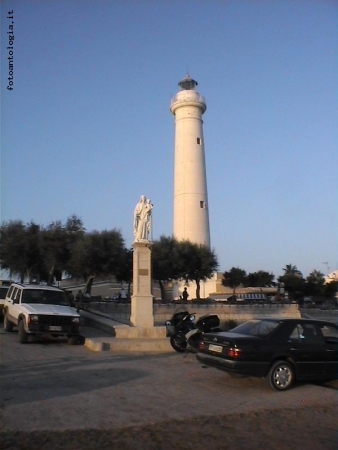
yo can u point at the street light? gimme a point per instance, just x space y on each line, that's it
327 267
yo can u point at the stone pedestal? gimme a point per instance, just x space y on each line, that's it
142 300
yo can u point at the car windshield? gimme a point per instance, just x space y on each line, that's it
259 328
44 297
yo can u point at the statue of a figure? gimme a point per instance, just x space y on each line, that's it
142 219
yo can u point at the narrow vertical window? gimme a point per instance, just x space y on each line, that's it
199 141
203 204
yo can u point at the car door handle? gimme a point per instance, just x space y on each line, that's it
329 350
294 349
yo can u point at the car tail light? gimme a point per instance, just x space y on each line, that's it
201 346
233 353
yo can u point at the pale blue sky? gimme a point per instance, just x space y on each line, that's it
87 128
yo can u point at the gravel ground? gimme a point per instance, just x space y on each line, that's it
308 428
59 397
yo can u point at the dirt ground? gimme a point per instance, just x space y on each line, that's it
309 428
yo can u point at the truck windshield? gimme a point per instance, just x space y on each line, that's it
44 297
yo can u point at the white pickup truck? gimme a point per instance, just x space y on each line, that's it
38 310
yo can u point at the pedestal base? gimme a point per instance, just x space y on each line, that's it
142 299
142 311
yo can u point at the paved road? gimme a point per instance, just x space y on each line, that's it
49 385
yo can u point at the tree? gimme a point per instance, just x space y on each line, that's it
293 281
331 289
196 263
290 269
259 279
124 271
54 249
34 258
314 283
181 260
165 261
20 248
234 278
98 253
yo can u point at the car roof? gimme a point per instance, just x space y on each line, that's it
294 320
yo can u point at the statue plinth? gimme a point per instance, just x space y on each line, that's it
142 300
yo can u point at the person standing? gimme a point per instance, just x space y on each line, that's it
185 295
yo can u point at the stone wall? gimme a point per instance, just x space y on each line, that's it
238 313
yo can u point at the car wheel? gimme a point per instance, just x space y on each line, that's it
23 335
8 326
281 375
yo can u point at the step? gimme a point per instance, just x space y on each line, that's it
114 336
129 345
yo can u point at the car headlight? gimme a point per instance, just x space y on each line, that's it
191 317
76 319
34 318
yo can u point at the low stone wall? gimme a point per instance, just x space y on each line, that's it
238 313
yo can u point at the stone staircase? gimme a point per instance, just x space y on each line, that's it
102 333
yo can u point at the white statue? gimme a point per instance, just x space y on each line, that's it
142 219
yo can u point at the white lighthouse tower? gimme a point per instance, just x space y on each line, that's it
191 216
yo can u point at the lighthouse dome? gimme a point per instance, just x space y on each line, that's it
187 83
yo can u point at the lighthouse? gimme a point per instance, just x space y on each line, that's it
190 208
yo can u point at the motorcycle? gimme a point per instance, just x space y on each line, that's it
185 333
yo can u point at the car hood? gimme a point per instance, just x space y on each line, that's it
49 310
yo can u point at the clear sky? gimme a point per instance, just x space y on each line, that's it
87 128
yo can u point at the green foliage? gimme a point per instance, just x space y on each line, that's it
124 270
293 280
314 285
174 260
234 278
197 263
20 249
330 289
290 269
259 279
97 253
44 252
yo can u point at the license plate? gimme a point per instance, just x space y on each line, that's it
215 348
55 328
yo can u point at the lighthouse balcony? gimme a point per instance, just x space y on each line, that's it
187 96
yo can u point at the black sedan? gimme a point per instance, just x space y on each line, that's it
281 350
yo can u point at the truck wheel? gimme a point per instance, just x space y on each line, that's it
23 335
74 340
8 326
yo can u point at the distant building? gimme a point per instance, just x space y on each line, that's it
333 276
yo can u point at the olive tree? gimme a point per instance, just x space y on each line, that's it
234 278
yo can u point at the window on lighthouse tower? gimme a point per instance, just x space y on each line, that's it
199 141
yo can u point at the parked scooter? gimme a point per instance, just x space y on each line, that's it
185 333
